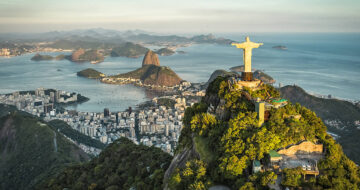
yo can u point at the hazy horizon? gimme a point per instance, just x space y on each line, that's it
211 16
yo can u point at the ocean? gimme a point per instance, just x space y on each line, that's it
320 63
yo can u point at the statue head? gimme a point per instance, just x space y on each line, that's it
247 39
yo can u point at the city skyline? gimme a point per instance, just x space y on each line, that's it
186 17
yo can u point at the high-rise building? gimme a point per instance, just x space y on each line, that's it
166 130
48 107
58 94
52 97
106 112
132 132
117 118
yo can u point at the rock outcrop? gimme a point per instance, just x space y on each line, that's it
151 58
76 54
93 56
217 73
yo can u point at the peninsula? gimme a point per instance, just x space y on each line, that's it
150 74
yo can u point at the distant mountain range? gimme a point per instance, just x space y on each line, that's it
106 36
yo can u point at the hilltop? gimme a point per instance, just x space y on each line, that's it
217 73
129 50
150 58
224 143
30 150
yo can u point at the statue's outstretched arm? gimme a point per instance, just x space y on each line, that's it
238 45
256 45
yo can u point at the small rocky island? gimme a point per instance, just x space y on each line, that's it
280 47
165 52
39 57
90 73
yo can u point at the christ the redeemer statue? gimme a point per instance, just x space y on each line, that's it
247 46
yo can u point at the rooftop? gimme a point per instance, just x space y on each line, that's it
279 101
274 154
256 163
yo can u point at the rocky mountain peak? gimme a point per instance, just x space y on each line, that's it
151 58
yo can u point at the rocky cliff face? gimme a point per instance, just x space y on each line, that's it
151 58
217 73
179 161
76 55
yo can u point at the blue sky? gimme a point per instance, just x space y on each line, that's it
185 16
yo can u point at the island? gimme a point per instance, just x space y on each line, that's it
90 73
180 52
39 57
165 51
280 47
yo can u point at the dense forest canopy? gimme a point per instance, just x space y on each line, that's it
235 140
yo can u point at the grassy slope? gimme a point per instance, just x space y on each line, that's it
121 165
27 151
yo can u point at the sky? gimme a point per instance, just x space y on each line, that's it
185 16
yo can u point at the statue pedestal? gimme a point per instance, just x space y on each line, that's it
253 85
247 76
